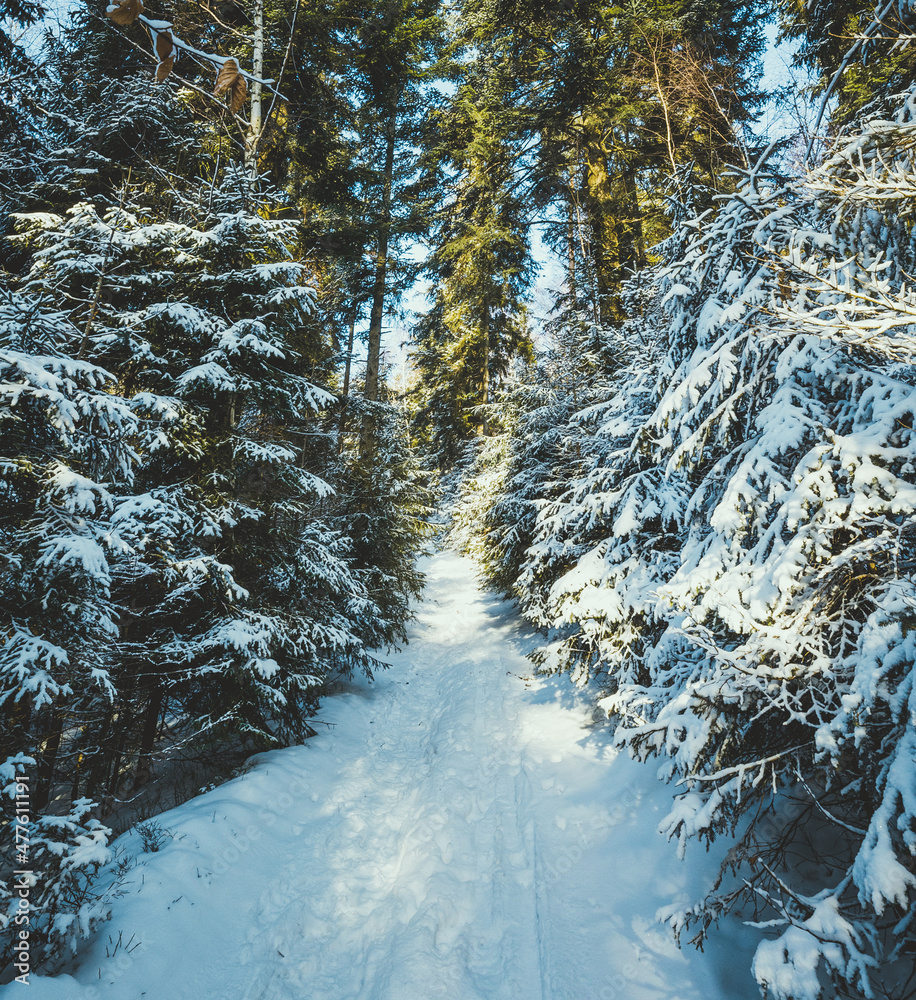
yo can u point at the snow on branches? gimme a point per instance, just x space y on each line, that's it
231 80
728 543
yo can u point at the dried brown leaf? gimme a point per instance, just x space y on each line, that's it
227 77
164 68
124 12
164 47
237 93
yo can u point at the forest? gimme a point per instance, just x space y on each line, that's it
695 470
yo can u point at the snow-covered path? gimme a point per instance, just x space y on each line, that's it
464 832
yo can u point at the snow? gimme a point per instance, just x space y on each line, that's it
462 830
30 662
788 966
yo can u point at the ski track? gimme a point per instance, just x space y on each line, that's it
464 832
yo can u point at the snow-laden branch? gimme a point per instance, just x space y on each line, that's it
155 27
847 59
231 79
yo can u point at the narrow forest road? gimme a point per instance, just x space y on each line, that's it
464 832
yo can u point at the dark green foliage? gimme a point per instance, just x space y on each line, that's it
15 63
190 549
858 48
385 508
480 268
617 99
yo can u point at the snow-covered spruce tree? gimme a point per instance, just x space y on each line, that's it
65 441
58 869
743 568
563 417
514 473
237 600
542 443
384 506
101 117
853 276
66 447
493 516
624 520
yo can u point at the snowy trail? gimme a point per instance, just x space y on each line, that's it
428 876
465 832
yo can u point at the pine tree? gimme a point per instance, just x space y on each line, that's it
731 560
617 98
67 446
213 311
22 86
859 51
481 266
173 547
389 61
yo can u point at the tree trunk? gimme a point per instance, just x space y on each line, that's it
47 758
346 381
571 256
257 90
617 226
485 379
602 227
367 438
631 243
124 721
148 736
571 228
99 764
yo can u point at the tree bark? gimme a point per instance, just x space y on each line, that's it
257 90
379 287
485 378
148 736
99 763
630 241
47 759
346 381
572 227
602 227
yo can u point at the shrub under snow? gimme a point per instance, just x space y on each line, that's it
727 542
